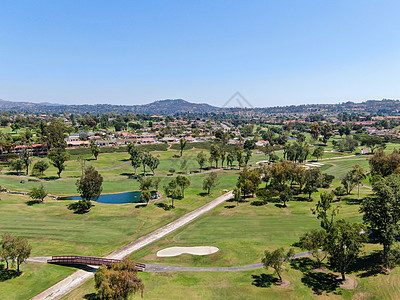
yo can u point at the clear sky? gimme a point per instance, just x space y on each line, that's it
274 52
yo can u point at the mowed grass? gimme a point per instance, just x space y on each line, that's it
52 229
242 233
36 278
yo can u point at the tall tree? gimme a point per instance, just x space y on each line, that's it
182 145
120 281
39 167
314 242
173 191
276 259
25 157
358 175
38 193
22 251
55 134
210 181
135 156
94 148
201 159
325 211
90 184
58 157
183 182
344 243
382 212
145 196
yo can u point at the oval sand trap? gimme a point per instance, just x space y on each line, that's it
175 251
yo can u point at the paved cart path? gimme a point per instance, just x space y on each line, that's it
78 278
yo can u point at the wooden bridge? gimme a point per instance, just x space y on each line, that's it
87 260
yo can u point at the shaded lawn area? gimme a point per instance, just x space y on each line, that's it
36 278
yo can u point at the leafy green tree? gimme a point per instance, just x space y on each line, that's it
22 251
276 260
372 142
348 182
215 154
201 159
14 249
145 196
384 164
120 281
55 134
315 130
343 244
325 211
183 182
25 157
210 181
152 162
145 183
382 212
156 183
358 175
286 195
39 167
173 191
230 158
7 251
247 156
326 132
237 195
318 152
58 157
94 148
312 181
182 145
38 193
339 192
90 184
16 165
314 242
135 156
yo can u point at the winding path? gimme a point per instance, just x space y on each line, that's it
79 277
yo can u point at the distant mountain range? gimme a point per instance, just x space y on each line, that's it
169 106
174 106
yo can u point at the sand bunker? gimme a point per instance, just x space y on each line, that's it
175 251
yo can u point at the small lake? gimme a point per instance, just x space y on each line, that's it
120 198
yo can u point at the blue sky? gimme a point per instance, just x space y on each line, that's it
134 52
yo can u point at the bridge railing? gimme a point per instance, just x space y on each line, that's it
88 260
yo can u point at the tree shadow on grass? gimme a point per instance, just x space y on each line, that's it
91 296
302 199
230 206
352 201
202 194
370 265
258 203
163 206
303 264
263 280
320 282
32 202
7 274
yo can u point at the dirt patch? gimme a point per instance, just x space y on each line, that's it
284 283
349 284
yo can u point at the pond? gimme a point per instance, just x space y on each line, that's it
119 198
